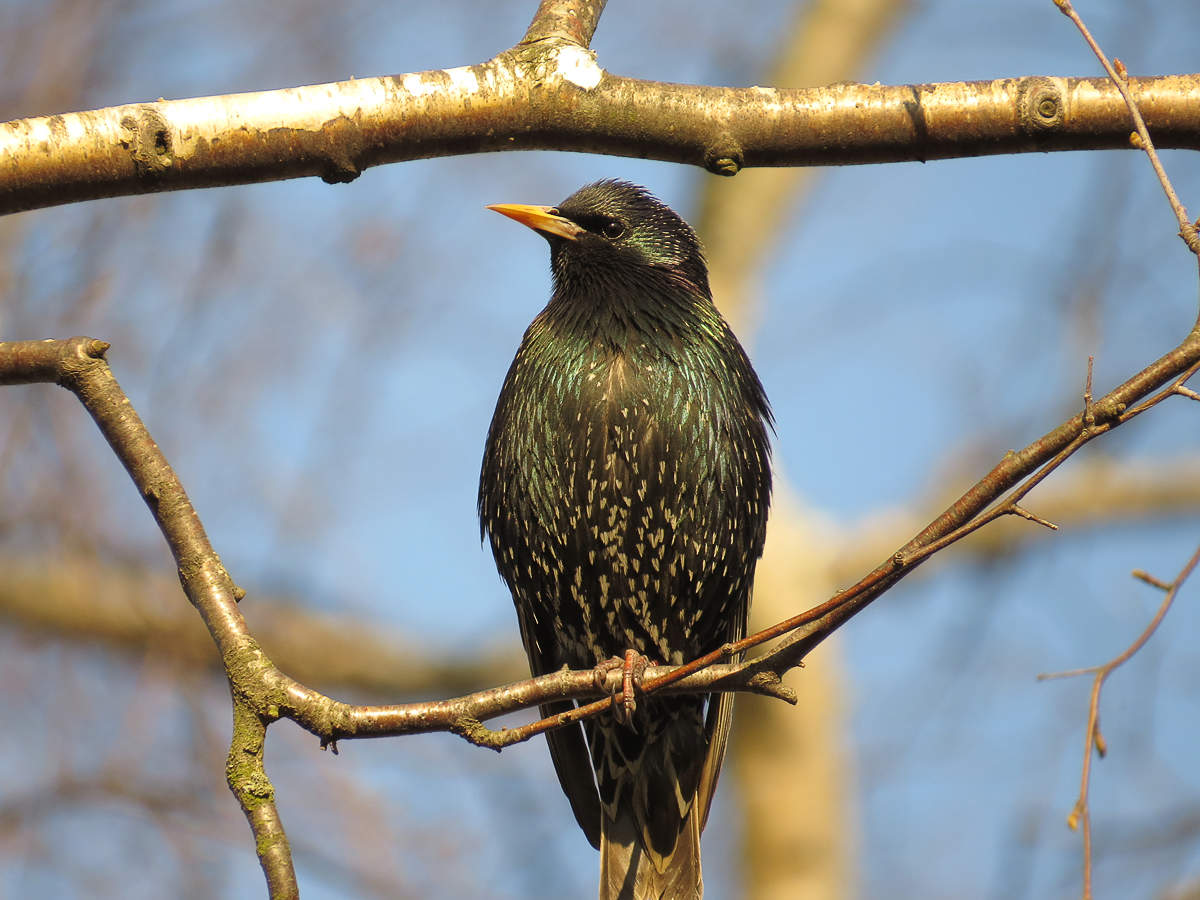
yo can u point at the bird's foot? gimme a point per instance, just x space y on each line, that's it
632 668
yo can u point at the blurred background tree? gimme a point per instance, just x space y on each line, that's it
320 363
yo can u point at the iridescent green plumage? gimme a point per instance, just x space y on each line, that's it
624 490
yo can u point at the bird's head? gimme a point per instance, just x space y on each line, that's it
615 231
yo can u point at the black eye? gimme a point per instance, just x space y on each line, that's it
612 229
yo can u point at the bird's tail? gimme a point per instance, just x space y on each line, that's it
630 869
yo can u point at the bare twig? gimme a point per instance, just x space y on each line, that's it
1118 75
1026 468
1093 738
1187 230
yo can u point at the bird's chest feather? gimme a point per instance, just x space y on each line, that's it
622 486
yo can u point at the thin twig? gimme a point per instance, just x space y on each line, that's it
1093 737
1187 230
1119 77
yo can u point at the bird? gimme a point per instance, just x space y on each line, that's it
624 491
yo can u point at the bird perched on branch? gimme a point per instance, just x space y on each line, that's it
624 489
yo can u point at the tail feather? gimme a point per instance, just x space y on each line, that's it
630 869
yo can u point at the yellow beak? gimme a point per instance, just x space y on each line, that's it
540 218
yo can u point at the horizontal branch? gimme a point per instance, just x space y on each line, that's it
551 94
464 715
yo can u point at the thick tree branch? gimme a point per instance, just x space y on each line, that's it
552 94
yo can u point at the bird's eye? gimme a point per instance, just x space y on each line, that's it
612 229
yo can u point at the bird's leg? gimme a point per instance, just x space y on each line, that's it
602 670
632 668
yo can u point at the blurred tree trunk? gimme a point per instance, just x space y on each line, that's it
790 765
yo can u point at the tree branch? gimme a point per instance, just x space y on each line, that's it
552 94
1141 138
262 693
1093 737
78 364
573 21
247 778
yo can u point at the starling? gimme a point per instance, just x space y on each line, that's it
624 490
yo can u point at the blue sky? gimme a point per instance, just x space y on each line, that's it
914 314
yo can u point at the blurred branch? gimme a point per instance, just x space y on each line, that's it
156 798
549 92
123 607
1091 494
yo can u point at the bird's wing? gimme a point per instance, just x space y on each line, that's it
717 724
573 765
568 749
